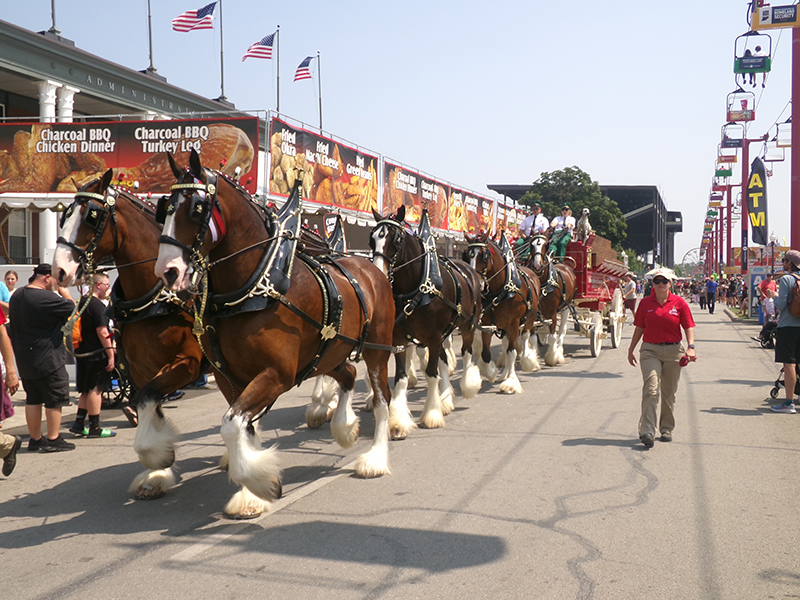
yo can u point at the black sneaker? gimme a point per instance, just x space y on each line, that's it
647 440
57 445
666 436
36 445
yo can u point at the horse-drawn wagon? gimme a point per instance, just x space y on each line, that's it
598 309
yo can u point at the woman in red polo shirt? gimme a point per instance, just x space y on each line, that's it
658 321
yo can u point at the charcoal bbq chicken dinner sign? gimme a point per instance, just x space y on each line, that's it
62 157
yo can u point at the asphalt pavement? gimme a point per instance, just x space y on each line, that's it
545 494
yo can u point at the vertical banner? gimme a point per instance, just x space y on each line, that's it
757 202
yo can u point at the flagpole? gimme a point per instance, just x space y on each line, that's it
278 64
151 68
319 83
53 29
222 97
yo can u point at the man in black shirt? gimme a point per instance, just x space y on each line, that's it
39 315
95 361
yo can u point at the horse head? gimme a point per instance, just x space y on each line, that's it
482 251
83 229
190 232
387 240
539 259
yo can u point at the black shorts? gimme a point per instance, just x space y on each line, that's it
90 374
51 390
787 345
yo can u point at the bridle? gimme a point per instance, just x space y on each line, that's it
203 205
474 248
100 210
398 240
544 256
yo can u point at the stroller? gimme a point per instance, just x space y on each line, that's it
767 334
780 383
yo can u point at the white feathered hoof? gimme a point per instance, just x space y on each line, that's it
447 400
150 485
551 356
529 362
471 382
347 434
316 415
501 359
511 386
245 505
400 423
488 370
372 464
560 357
433 419
224 461
155 439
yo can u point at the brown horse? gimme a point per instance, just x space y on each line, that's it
433 296
274 318
558 291
510 305
108 221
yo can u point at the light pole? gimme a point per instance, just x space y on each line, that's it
772 240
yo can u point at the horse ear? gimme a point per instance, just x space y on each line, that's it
401 213
106 181
176 170
194 164
376 215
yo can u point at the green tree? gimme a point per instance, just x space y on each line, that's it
576 187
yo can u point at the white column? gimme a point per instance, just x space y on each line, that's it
48 220
65 102
47 100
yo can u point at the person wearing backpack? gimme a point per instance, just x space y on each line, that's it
787 337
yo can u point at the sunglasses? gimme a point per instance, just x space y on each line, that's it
563 209
660 281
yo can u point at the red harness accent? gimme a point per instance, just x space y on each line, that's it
217 216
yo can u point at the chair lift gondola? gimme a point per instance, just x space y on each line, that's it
772 152
726 157
783 139
732 135
752 54
741 106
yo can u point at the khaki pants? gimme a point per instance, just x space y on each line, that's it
6 442
661 372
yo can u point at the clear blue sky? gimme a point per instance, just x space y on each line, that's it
477 92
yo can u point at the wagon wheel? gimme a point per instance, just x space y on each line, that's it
119 391
773 393
596 334
615 319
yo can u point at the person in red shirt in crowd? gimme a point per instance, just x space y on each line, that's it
769 283
658 322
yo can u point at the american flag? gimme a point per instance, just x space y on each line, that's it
261 49
202 18
303 71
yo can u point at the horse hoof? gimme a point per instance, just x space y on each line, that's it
148 492
398 435
250 513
